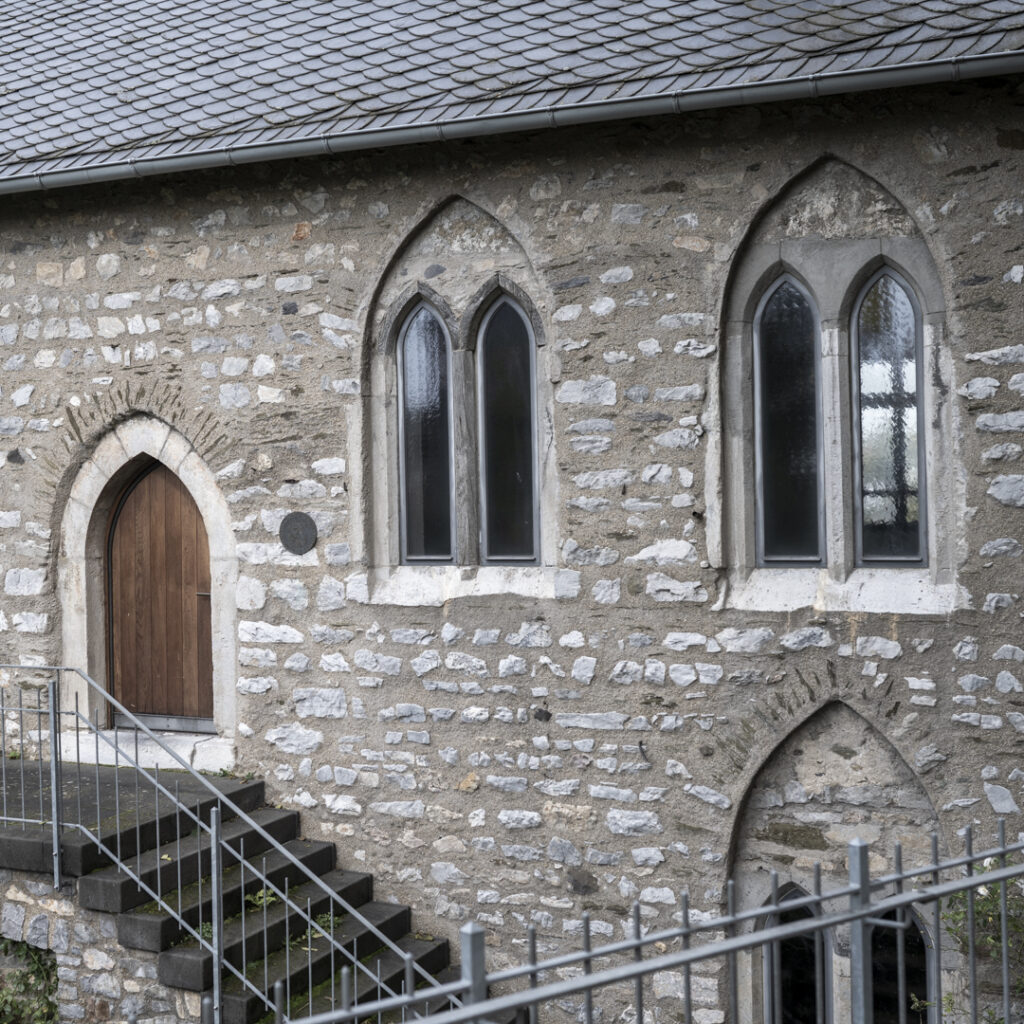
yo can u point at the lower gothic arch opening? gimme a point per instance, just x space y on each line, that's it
792 979
833 779
122 457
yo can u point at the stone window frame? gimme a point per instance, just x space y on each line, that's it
433 583
834 272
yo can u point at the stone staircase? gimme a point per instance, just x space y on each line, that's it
261 937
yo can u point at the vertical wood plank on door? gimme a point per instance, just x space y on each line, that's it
204 621
175 682
159 568
156 490
189 517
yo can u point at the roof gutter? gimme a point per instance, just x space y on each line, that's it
801 88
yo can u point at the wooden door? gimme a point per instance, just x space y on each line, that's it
158 579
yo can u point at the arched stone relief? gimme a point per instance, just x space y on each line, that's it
835 778
80 574
832 779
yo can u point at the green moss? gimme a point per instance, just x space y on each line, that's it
28 995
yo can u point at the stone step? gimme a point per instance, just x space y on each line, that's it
103 800
189 966
128 833
308 971
431 954
180 862
153 928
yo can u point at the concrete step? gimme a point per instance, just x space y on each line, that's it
205 752
105 802
431 954
130 830
313 963
189 966
153 928
180 862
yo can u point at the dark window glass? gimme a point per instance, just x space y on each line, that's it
885 972
506 420
887 377
426 443
788 428
801 974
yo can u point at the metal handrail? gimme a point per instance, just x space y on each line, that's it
212 944
861 915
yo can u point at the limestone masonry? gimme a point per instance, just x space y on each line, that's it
644 711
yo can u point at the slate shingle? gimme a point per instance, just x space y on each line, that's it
135 78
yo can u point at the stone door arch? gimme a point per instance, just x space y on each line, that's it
81 577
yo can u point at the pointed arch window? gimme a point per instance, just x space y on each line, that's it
888 435
796 972
787 398
508 446
467 438
900 968
425 438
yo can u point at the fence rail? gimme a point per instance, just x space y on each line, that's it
968 910
51 754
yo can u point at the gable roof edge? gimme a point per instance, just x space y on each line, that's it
800 88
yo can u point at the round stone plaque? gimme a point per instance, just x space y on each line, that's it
298 533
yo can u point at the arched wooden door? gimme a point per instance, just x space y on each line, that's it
158 600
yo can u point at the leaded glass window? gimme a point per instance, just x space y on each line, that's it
788 431
424 374
505 362
887 384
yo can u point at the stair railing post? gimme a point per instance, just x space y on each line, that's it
861 995
474 968
217 914
53 690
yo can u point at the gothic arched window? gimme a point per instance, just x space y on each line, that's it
507 443
425 438
887 386
790 518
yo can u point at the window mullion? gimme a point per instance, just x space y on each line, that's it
466 485
837 447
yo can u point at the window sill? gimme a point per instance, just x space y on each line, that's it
433 585
864 590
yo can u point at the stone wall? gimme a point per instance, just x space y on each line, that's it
516 746
97 980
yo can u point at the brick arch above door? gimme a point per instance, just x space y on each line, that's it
121 454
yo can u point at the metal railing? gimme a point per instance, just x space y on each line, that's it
967 910
53 794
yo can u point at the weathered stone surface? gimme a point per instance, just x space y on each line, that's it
633 823
1001 799
667 589
295 739
320 702
595 391
878 647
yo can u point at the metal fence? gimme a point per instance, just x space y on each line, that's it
943 942
50 759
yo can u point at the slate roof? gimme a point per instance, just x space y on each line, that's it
85 83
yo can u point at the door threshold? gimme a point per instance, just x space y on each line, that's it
167 723
201 751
